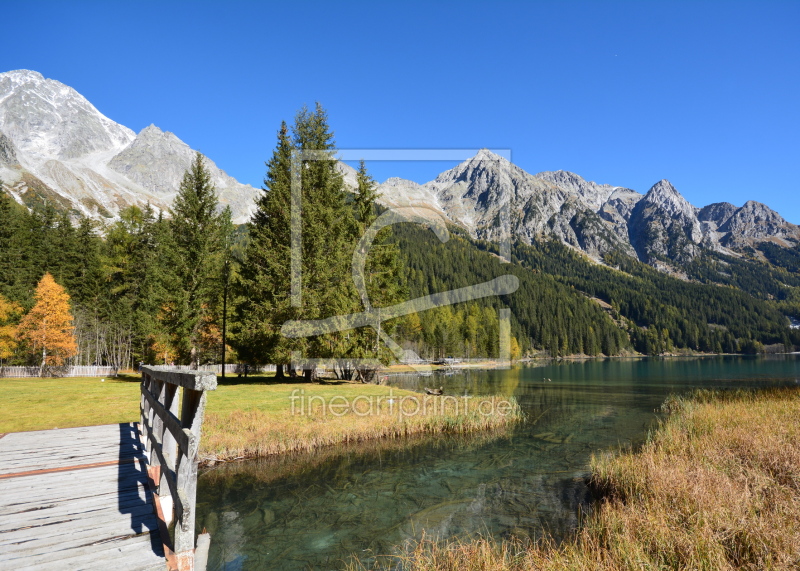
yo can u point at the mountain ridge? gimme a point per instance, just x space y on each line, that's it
56 147
67 153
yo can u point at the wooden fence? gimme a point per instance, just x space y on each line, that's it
172 441
76 371
230 369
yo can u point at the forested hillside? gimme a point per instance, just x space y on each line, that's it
142 288
545 313
658 313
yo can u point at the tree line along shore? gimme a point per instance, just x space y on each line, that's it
185 285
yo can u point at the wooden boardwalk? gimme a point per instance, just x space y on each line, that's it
77 498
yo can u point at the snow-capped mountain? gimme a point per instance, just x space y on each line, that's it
56 146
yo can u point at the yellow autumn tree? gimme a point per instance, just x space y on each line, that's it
516 350
9 312
48 326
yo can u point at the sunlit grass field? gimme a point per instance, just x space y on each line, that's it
256 416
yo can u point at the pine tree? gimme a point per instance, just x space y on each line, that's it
263 303
198 239
383 280
48 326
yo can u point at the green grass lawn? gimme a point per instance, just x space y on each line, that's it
42 404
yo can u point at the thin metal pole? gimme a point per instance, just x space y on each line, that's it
224 317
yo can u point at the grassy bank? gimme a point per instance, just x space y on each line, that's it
322 415
258 417
717 487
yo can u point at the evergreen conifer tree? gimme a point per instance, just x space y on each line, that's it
328 230
198 236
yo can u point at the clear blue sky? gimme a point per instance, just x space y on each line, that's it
705 94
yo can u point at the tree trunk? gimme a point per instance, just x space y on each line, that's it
279 372
44 362
309 375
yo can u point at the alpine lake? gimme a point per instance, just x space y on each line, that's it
317 511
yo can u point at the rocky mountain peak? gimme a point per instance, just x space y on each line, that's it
664 225
667 198
58 146
757 221
718 213
47 119
593 194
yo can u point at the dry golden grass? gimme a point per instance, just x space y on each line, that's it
356 417
716 487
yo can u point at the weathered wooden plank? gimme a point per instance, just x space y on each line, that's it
40 505
102 476
27 470
55 453
58 491
127 553
73 537
43 446
65 434
46 507
55 513
76 528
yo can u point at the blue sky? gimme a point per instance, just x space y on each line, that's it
705 94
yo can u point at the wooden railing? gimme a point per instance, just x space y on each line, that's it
172 441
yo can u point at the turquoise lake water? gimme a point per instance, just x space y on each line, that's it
315 511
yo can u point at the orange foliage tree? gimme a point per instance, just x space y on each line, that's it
48 326
9 312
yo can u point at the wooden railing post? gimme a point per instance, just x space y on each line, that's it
172 445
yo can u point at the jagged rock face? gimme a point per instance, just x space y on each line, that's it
401 193
8 153
718 213
663 225
70 154
580 227
592 194
755 222
616 211
488 195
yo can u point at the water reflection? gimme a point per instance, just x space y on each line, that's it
316 510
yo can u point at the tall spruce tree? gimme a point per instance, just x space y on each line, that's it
198 236
383 279
263 285
327 229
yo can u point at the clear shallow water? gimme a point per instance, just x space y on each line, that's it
315 511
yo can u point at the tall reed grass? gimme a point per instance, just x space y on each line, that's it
256 433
